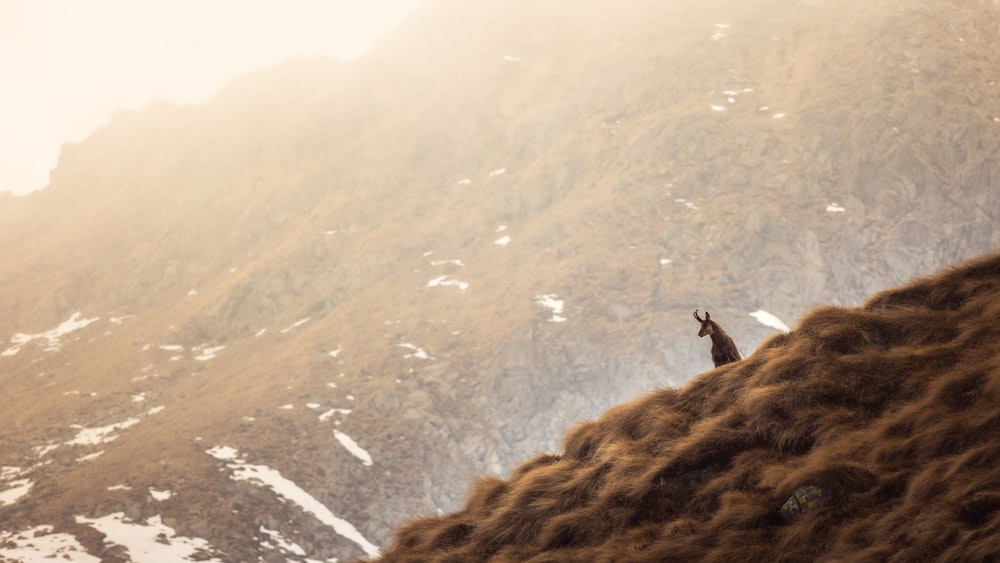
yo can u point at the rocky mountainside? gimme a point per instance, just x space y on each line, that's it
283 322
866 434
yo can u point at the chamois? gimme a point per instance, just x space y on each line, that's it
723 348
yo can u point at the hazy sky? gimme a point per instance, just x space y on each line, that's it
67 65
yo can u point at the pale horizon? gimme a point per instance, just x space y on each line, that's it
68 66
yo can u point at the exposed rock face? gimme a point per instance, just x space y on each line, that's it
453 250
866 434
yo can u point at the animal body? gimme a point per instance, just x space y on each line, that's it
723 348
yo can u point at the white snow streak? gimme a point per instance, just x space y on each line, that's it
502 241
18 489
90 457
353 447
295 325
262 475
767 319
835 208
208 353
448 280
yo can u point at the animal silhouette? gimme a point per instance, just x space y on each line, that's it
723 348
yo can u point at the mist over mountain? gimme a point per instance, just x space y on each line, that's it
380 279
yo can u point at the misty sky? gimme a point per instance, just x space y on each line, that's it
67 65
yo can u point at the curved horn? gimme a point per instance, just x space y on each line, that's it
697 317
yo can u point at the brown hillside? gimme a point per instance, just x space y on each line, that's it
883 419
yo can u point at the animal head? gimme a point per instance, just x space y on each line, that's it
707 326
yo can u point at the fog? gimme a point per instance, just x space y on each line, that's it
66 66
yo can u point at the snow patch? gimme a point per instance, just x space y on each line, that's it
264 476
498 172
767 319
329 414
353 447
835 208
295 325
160 495
417 351
40 544
16 491
53 337
280 543
90 457
149 541
446 281
552 301
502 241
42 451
207 353
100 435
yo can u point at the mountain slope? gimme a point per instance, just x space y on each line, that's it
283 269
866 434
